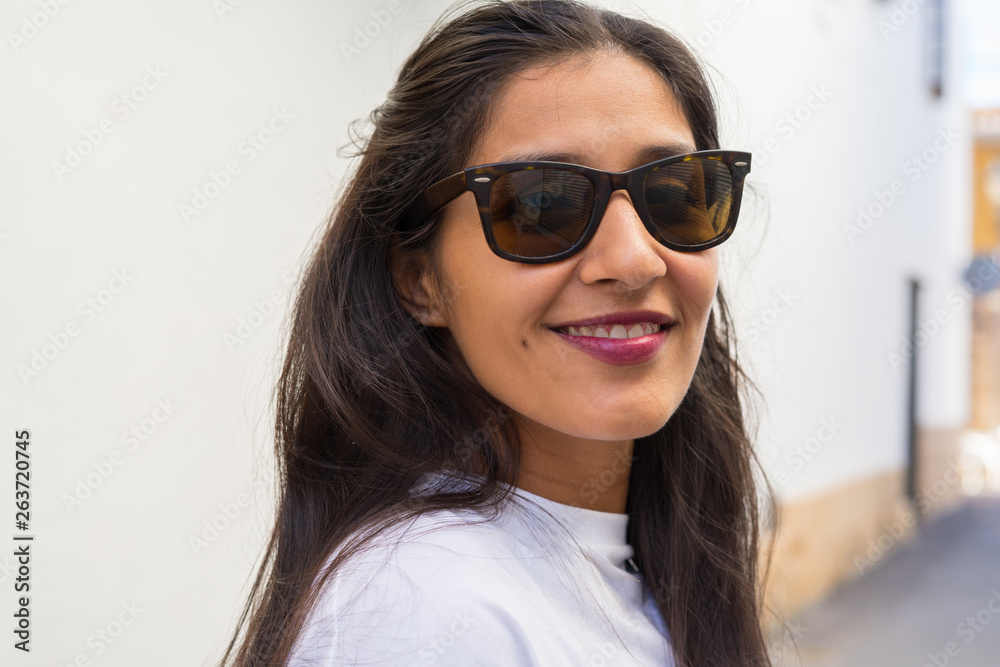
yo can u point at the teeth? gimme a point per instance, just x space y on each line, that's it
614 330
618 331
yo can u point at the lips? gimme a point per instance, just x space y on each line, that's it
618 351
618 339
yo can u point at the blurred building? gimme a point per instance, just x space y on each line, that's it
986 246
848 275
982 442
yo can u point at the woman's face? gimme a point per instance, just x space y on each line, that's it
604 112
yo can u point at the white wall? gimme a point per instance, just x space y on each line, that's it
161 336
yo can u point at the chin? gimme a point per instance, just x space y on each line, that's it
630 429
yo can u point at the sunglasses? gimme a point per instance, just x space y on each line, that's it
539 212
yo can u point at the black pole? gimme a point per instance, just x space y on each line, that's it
911 406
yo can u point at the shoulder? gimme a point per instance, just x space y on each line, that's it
445 588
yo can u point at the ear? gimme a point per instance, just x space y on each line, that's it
415 286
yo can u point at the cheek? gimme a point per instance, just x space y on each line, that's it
499 311
498 330
494 306
697 278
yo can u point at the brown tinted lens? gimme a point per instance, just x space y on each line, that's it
689 201
540 212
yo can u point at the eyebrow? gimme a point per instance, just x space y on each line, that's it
644 156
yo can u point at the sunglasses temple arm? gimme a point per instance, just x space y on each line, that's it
440 194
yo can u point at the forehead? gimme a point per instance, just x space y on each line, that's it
606 109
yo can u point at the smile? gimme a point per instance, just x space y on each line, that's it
616 345
619 331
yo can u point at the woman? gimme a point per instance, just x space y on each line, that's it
509 423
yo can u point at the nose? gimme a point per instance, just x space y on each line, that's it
622 250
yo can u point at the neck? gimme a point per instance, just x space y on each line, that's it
592 474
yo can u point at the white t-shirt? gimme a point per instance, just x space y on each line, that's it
514 591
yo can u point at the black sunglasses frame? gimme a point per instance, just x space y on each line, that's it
479 180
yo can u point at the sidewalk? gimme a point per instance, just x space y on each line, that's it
933 601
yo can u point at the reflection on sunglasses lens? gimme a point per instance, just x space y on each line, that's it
689 201
540 212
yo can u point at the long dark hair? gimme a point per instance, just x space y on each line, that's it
368 399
